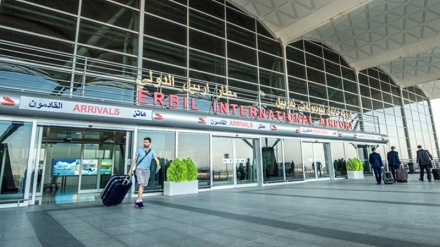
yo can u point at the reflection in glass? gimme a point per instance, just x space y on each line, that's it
246 160
339 160
272 160
14 153
222 161
293 165
196 147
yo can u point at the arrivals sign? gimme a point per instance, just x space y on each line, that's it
241 124
64 106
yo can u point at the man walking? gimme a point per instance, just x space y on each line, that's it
424 159
142 159
393 161
376 162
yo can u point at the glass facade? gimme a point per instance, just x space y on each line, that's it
96 50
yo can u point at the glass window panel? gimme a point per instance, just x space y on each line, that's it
366 103
295 55
387 98
395 90
103 66
270 91
14 150
207 63
240 19
297 70
335 94
376 94
336 104
208 7
332 68
270 62
272 79
397 101
162 67
263 31
363 79
34 19
207 77
206 23
331 55
318 101
110 13
316 76
269 45
198 152
299 97
206 42
384 77
348 74
313 48
166 30
293 159
350 86
242 53
374 83
166 9
314 62
385 87
242 72
298 86
67 6
352 99
298 44
373 73
317 90
244 85
165 52
242 36
377 105
333 81
91 33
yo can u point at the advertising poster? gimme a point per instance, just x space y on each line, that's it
106 166
65 167
89 167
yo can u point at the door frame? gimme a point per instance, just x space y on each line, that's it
328 164
234 137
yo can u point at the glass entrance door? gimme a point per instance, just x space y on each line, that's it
234 161
317 160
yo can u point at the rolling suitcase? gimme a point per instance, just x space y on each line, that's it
401 175
387 178
115 190
436 174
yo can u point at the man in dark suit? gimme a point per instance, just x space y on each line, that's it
393 161
424 159
376 162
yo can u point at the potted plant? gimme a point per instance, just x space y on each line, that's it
181 178
355 169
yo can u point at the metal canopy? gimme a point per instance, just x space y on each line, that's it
401 37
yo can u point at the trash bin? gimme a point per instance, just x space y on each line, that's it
411 168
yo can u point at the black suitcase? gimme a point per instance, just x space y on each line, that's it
436 174
115 190
388 178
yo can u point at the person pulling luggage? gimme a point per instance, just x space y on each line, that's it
424 159
142 168
376 162
393 161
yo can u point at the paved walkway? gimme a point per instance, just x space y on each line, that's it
325 213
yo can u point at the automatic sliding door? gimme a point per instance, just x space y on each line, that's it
317 160
222 161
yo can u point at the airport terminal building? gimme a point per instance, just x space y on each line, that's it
83 82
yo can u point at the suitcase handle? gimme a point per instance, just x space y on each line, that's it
126 180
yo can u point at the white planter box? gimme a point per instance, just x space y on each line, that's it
355 174
174 189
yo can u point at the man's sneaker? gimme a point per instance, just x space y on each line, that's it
139 205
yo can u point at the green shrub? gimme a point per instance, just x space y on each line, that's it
191 168
182 171
354 164
177 171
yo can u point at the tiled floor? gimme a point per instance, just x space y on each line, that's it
324 213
